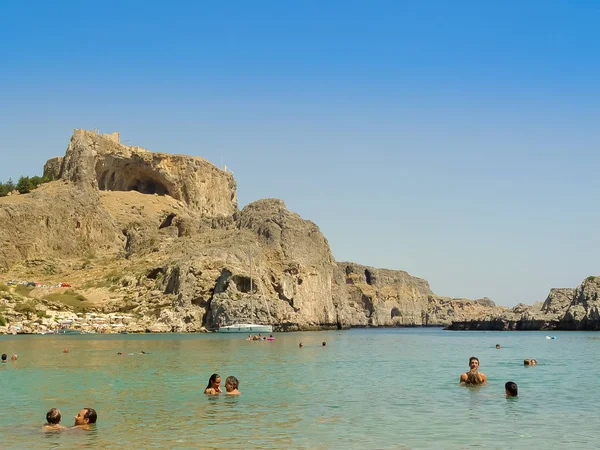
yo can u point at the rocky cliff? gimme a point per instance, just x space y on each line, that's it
160 237
101 163
563 309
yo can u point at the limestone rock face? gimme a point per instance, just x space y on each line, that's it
160 237
52 168
56 221
292 265
583 312
380 297
445 311
564 309
100 162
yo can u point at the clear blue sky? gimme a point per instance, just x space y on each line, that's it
458 141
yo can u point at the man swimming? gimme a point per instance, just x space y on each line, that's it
231 386
473 376
85 418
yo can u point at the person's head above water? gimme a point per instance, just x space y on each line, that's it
474 363
86 416
231 383
497 345
214 382
473 376
53 417
511 389
4 356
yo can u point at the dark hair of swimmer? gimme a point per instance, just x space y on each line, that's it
527 362
511 389
212 379
90 414
53 416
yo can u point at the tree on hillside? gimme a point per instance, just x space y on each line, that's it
24 185
7 187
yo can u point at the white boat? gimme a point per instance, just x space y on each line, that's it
247 327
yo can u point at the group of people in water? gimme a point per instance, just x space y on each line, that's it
260 337
214 385
5 357
83 420
473 376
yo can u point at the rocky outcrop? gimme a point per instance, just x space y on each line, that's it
159 237
100 162
52 168
445 311
380 297
56 221
564 309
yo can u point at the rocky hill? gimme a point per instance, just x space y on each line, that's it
159 239
564 309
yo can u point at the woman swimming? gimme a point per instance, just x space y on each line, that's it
214 385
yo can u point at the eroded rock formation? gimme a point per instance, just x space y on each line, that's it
160 236
564 309
100 162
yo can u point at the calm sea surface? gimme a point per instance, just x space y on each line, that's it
391 388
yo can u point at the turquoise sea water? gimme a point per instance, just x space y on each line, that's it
389 388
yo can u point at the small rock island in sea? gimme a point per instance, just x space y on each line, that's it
130 240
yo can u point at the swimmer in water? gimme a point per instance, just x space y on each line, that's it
511 389
85 418
231 386
473 376
53 418
214 385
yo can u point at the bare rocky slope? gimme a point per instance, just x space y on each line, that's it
160 238
576 309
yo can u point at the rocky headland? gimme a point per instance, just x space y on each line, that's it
574 309
132 240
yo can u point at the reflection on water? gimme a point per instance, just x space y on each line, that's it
366 389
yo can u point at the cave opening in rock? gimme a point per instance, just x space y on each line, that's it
369 277
116 175
395 312
147 186
242 283
168 221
